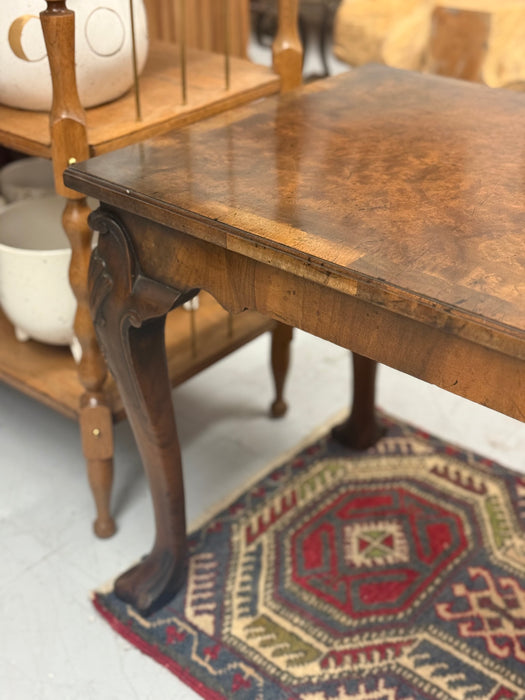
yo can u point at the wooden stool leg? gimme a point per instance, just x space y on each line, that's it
280 360
361 430
96 430
95 416
100 476
69 144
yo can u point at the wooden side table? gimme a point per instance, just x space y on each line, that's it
382 210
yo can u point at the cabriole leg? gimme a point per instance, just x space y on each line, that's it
130 312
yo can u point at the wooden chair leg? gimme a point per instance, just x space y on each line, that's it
69 143
280 361
95 415
361 430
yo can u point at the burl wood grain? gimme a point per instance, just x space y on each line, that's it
413 182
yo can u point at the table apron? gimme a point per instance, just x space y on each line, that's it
238 282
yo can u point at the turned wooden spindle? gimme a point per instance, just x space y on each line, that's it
287 50
69 144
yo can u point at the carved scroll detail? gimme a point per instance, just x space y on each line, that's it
119 295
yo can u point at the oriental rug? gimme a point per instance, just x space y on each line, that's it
392 574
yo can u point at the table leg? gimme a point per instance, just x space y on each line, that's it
129 312
361 429
280 357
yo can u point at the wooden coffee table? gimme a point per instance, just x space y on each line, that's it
381 210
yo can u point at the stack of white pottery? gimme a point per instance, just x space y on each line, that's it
34 251
35 294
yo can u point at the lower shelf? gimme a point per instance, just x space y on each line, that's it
49 374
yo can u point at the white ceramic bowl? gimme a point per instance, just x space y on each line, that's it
34 261
26 178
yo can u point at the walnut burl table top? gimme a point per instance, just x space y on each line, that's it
402 191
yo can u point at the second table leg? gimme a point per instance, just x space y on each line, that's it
361 429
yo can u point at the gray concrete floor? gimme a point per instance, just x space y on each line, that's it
53 646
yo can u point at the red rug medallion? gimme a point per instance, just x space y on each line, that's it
393 574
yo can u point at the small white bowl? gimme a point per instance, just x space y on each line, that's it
34 263
27 178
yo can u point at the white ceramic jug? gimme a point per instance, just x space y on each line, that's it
103 48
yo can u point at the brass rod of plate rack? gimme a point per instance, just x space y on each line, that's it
227 43
182 43
134 63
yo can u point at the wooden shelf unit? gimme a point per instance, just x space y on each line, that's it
48 373
85 392
114 124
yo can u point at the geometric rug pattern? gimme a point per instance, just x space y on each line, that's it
392 574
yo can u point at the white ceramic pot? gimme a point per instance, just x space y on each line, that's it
26 178
34 261
103 49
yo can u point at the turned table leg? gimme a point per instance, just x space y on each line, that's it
280 360
130 312
361 430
